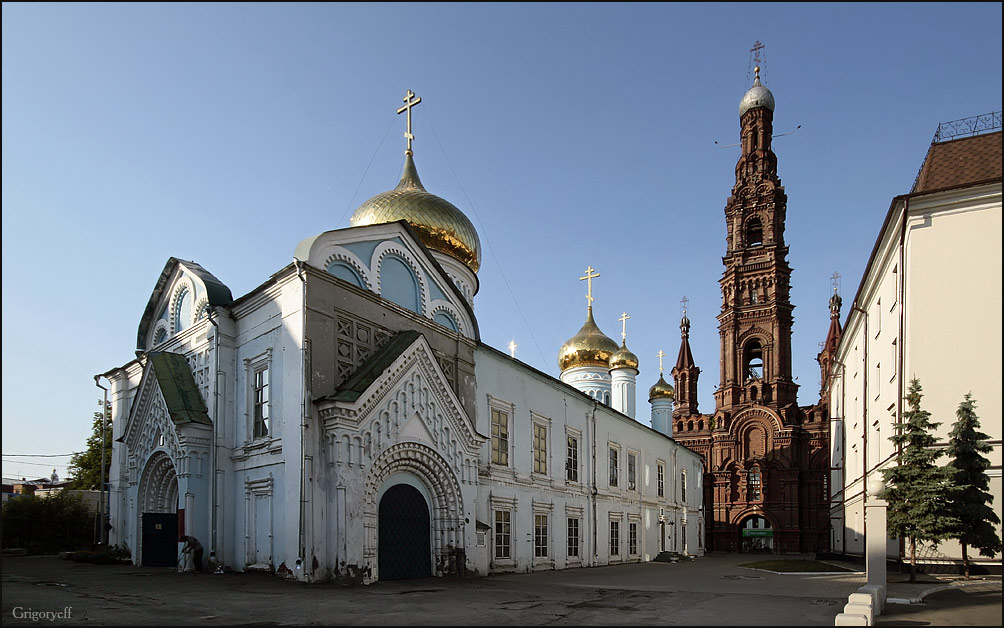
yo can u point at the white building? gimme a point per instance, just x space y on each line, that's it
928 307
343 420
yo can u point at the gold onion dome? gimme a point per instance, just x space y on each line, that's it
661 390
440 225
589 347
623 358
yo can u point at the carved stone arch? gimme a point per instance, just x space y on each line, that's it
400 252
740 515
158 486
182 287
345 256
764 336
443 307
161 332
443 486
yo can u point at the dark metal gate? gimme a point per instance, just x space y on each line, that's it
404 550
160 539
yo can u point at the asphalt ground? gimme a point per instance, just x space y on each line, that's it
711 591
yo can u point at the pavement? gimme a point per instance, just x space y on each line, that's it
711 591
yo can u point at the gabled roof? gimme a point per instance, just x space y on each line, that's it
216 291
960 162
181 393
373 367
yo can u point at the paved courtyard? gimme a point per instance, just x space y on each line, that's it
710 591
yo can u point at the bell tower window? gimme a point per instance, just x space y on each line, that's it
754 232
753 360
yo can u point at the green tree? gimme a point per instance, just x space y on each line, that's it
85 466
47 525
919 492
976 519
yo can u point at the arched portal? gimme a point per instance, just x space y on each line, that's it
756 535
158 508
404 541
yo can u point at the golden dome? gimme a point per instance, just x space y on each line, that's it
661 390
440 225
589 347
623 359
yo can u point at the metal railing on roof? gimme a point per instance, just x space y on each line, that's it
967 126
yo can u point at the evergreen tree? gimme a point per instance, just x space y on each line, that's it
85 466
919 492
976 519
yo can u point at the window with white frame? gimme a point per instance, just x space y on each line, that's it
632 470
500 436
615 538
540 536
632 538
614 456
539 447
573 537
683 487
258 396
661 473
572 457
503 534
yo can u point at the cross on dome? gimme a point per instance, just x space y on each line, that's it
408 104
589 284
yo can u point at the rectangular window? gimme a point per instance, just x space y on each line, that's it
573 537
613 466
500 437
572 460
540 536
503 534
261 421
755 485
632 538
539 448
615 538
662 479
683 487
632 471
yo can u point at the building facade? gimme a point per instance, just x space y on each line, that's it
928 307
766 458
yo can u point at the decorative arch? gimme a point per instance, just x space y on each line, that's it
350 263
182 312
447 508
753 231
160 333
441 310
158 487
398 252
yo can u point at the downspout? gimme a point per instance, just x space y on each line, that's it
592 490
103 508
837 364
864 419
213 453
900 348
303 413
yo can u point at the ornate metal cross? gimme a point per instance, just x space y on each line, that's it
683 302
835 281
408 104
660 355
512 348
623 319
589 284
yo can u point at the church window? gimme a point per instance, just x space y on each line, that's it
632 538
614 453
572 459
661 479
573 537
632 470
160 336
683 487
690 426
754 232
700 424
503 534
346 272
754 296
679 426
500 437
260 395
615 538
539 448
398 284
446 320
540 537
754 485
182 310
753 360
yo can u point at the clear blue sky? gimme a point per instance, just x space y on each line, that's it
572 135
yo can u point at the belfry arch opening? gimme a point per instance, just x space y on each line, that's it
754 232
753 360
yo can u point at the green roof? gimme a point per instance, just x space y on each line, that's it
184 401
372 368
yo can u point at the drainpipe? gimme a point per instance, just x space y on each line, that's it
300 567
838 365
213 453
900 337
592 490
103 508
864 418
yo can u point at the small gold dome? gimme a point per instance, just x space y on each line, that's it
440 225
623 359
661 390
589 347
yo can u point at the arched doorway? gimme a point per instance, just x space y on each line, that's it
404 546
756 536
158 501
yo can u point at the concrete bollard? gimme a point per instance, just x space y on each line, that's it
853 608
850 619
877 592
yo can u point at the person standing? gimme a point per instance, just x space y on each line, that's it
193 547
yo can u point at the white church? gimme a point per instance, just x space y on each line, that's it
343 421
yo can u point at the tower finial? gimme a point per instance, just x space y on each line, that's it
660 355
589 285
835 300
684 321
755 61
623 319
408 104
